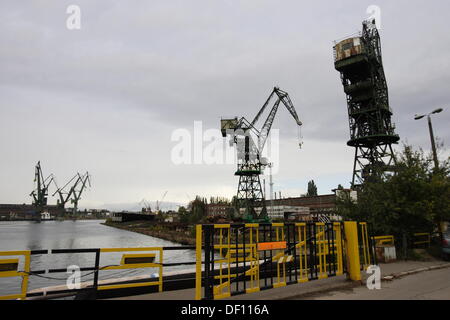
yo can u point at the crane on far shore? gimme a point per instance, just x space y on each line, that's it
158 203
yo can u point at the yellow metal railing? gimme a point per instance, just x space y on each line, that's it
198 261
12 271
317 250
302 252
426 238
365 244
234 254
380 240
151 253
144 259
279 257
338 243
322 248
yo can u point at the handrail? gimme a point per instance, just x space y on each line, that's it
380 240
27 272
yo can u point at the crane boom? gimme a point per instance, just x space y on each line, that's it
83 179
63 195
267 126
263 108
283 97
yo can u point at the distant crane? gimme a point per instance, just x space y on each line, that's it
40 193
158 203
83 180
64 196
145 206
250 163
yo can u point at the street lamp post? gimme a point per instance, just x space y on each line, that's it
430 127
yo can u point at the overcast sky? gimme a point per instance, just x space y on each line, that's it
107 98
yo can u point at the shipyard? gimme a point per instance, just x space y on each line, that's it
212 158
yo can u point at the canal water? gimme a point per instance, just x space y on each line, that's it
79 234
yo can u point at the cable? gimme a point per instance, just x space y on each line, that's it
31 273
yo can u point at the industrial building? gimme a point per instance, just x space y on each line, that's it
300 208
25 211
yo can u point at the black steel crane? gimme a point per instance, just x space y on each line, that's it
64 196
372 132
250 162
83 180
40 193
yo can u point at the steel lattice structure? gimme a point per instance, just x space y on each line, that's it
250 194
372 133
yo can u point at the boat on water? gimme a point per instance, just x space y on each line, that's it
44 216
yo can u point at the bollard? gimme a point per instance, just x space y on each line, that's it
352 246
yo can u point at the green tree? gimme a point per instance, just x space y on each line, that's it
198 209
183 214
414 199
312 189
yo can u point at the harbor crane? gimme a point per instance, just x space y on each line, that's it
372 132
145 206
64 196
158 203
40 193
83 181
251 164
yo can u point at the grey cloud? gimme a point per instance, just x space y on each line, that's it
114 91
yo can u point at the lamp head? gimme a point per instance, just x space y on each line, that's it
417 117
437 111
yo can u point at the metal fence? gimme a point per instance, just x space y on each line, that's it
131 258
247 258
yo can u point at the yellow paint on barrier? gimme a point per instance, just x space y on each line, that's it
352 247
198 263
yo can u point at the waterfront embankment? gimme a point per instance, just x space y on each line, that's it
180 233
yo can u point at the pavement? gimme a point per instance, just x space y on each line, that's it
340 287
430 285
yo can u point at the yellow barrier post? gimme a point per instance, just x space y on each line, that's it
279 256
322 250
254 258
223 289
303 253
365 243
198 254
352 246
338 246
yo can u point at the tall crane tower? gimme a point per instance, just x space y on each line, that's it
250 163
372 133
40 193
